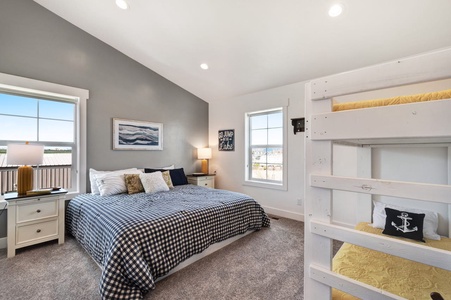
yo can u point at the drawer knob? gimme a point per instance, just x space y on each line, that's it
39 230
38 211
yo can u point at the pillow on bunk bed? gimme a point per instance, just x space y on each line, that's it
404 224
430 224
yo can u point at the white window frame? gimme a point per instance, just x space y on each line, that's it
36 88
248 160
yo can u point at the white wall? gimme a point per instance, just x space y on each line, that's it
230 166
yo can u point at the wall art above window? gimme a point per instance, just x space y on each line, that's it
137 135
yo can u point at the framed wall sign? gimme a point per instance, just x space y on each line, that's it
226 140
137 135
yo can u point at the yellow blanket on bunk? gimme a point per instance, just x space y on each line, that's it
446 94
399 276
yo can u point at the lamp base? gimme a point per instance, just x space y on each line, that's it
24 179
204 167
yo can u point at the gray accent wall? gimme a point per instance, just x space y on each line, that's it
38 44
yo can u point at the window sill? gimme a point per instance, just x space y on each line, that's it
266 185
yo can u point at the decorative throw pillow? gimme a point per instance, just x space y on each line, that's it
133 183
404 224
110 184
167 179
430 224
153 182
93 173
178 176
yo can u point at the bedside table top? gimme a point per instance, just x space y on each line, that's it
15 196
199 175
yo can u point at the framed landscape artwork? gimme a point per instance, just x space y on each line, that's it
137 135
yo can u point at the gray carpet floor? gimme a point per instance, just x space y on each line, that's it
267 264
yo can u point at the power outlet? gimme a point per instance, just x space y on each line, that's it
300 202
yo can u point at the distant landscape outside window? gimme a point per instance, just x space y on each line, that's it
266 146
38 121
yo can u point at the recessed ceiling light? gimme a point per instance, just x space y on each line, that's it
204 66
122 4
335 10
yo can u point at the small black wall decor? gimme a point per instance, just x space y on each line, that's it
298 125
226 140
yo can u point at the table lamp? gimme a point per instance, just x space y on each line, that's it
24 155
204 154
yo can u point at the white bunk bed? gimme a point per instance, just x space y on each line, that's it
407 124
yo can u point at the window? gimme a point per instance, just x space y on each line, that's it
39 115
265 147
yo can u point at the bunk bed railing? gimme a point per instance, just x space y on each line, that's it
424 254
365 128
420 68
371 123
412 190
349 285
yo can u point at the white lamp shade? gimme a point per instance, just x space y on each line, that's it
24 154
204 153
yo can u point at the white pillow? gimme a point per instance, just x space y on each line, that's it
153 182
112 183
430 223
92 178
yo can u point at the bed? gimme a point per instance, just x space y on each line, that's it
139 238
411 124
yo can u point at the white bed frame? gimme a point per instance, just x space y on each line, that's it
417 123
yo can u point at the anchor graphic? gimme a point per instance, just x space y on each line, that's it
405 224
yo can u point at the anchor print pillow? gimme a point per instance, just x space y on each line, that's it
404 224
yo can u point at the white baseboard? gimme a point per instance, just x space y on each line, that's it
284 213
3 243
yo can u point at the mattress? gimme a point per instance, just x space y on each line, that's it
446 94
140 237
399 276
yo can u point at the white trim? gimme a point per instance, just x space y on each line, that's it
284 213
3 243
267 184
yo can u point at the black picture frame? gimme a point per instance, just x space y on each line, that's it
226 140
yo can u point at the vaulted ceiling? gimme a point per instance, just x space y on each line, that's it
252 45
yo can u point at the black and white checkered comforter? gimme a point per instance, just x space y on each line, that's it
141 237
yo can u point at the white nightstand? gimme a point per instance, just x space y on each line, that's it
34 219
202 180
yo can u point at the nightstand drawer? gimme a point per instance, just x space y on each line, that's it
37 210
36 231
206 183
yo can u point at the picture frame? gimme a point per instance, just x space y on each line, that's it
226 140
137 135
